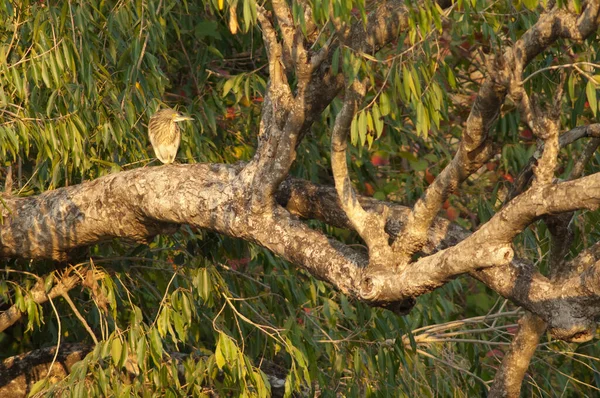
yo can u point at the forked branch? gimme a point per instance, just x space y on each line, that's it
476 146
369 225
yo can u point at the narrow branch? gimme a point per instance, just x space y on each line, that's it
39 296
369 225
543 123
86 326
295 55
567 138
277 72
586 156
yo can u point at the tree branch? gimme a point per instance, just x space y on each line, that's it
369 225
141 203
509 378
39 296
476 147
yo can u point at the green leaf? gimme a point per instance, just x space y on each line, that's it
156 348
179 324
362 128
187 308
228 86
416 83
141 352
17 81
384 104
33 315
115 350
378 121
48 282
421 122
19 300
50 105
335 61
226 352
38 387
407 83
370 125
163 322
590 91
45 76
354 131
247 15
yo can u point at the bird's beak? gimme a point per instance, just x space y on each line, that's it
181 118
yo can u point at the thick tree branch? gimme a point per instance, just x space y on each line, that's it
140 203
18 374
320 202
509 378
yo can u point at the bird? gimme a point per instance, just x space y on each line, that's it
164 133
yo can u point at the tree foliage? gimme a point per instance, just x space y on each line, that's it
206 310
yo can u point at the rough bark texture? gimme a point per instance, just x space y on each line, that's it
18 374
508 380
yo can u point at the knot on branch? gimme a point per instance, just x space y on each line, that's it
378 287
575 331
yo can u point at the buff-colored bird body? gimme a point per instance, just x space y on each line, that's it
164 134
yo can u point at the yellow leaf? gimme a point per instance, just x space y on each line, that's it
233 23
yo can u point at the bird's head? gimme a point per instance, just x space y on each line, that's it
171 115
180 118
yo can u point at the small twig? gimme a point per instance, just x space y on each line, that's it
162 302
59 336
453 366
574 65
87 327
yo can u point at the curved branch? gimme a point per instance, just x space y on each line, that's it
140 203
567 138
476 146
369 225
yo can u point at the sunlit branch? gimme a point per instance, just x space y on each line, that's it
476 146
369 225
